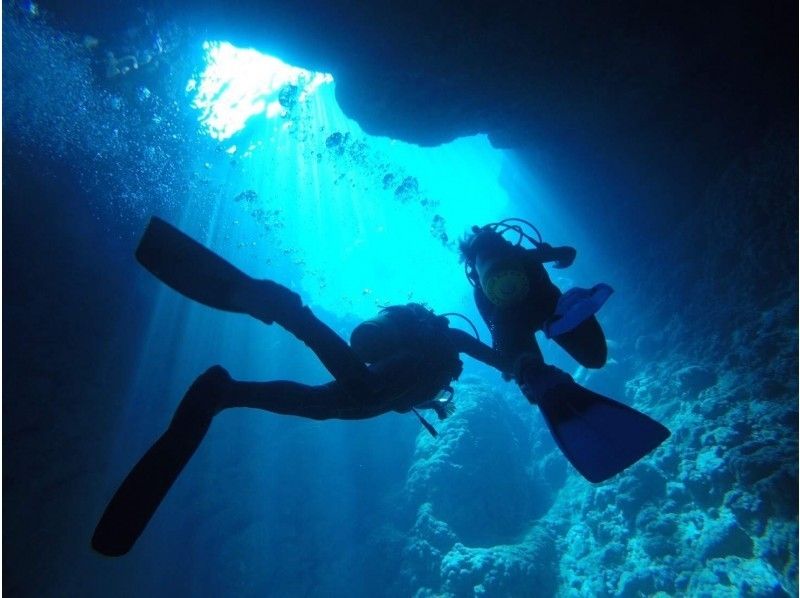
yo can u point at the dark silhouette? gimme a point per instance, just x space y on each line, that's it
399 361
516 298
599 436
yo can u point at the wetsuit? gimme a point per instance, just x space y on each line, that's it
396 383
358 391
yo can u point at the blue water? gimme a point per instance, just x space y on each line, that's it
97 355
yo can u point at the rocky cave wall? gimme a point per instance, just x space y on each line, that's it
713 511
628 110
711 351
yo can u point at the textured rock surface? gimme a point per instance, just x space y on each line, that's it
713 511
629 110
477 495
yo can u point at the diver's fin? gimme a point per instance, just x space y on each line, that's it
600 436
575 307
137 499
193 270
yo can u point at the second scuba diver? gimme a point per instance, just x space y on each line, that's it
413 356
516 299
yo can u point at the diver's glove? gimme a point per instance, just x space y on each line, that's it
442 405
273 302
566 255
444 408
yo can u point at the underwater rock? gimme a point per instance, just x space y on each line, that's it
732 577
430 529
707 477
475 474
525 569
694 378
477 494
428 541
642 484
747 507
658 531
640 582
724 537
758 460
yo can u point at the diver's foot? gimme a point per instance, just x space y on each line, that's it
205 396
269 302
538 380
526 365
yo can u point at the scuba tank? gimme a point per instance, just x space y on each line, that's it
416 330
498 265
376 339
406 328
502 277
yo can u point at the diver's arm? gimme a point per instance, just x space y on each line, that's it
466 343
562 256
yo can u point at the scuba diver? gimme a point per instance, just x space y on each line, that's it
515 297
402 360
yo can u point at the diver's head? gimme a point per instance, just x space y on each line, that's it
482 240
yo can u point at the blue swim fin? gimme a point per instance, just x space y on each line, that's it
574 307
144 488
190 268
199 274
142 491
599 436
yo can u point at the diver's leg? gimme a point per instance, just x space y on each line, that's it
200 274
333 351
329 401
271 302
145 487
586 343
218 391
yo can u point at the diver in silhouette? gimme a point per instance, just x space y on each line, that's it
412 356
516 299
